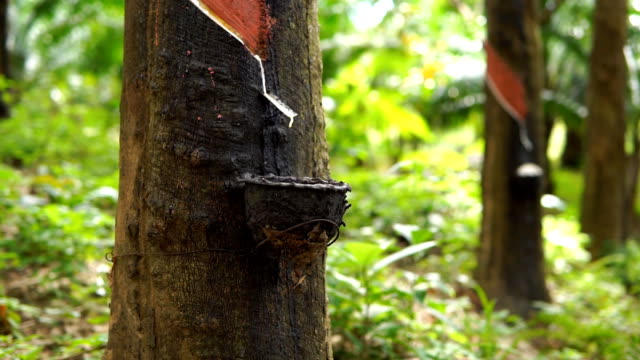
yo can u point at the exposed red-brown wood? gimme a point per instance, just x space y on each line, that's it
248 19
506 85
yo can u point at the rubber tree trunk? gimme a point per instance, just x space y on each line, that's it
603 202
511 260
187 280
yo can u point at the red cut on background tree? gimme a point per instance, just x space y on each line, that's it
506 85
508 89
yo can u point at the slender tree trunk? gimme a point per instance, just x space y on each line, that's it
511 260
549 185
573 153
603 199
632 164
632 171
187 280
549 121
4 54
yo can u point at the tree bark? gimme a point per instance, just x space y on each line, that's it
511 261
603 199
194 121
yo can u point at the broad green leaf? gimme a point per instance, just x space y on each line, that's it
406 252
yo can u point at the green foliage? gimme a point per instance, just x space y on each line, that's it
596 311
19 346
57 235
625 264
376 81
398 283
454 103
399 279
387 123
48 36
22 349
62 123
56 216
595 315
58 176
55 213
386 313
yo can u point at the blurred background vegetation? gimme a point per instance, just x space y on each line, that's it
403 96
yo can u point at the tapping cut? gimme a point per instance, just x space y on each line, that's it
249 22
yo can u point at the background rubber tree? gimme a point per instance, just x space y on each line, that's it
603 202
562 99
193 121
567 37
510 259
566 67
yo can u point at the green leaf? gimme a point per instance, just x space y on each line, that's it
364 254
406 252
